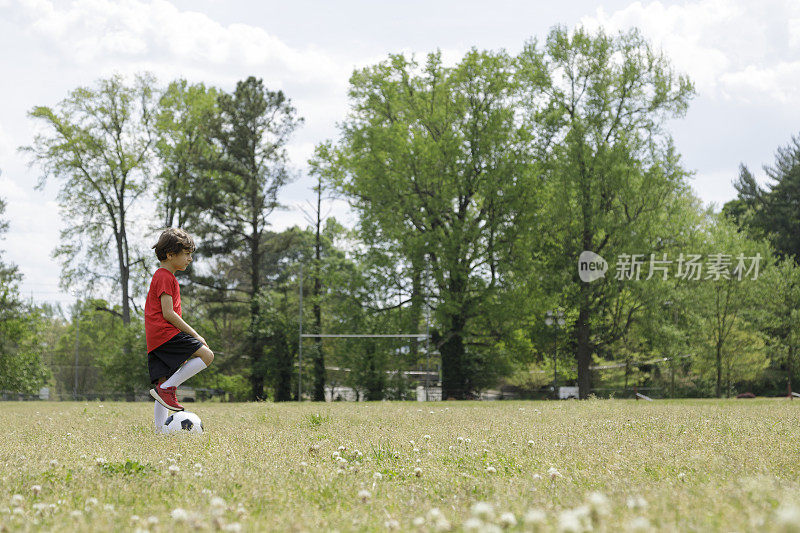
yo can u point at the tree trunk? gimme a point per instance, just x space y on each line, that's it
583 346
454 380
319 356
719 371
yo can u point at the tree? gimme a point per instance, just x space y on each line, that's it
98 143
772 211
184 112
438 165
247 167
21 368
612 168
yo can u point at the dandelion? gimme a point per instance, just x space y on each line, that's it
342 448
536 477
418 521
198 466
637 502
17 500
531 443
574 520
241 511
534 518
554 473
508 520
198 474
91 502
174 469
53 462
391 524
109 508
426 437
39 507
364 495
598 506
179 515
314 448
411 442
377 476
100 461
639 523
418 472
472 524
36 489
152 521
682 476
334 455
491 470
483 510
460 440
217 506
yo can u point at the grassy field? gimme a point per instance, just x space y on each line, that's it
599 465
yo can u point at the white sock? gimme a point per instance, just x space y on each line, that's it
187 370
160 414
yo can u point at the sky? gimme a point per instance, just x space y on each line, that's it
743 56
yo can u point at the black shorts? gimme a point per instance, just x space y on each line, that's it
167 358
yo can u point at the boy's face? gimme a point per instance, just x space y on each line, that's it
181 260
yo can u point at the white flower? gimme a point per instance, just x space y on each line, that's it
491 470
174 469
91 502
575 520
217 505
233 526
392 524
534 517
76 514
342 448
472 524
639 523
426 437
179 515
508 520
17 500
536 477
36 489
434 514
416 450
152 521
788 516
134 518
377 475
83 456
483 510
637 502
531 443
460 440
682 476
364 495
418 521
240 510
554 473
100 460
418 472
198 466
53 462
108 508
598 504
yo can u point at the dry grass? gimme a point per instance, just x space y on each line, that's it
564 466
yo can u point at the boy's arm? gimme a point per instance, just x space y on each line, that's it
173 318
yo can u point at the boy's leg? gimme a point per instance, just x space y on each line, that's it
160 413
197 362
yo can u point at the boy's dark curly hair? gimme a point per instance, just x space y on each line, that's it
173 241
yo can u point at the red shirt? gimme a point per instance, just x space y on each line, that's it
157 330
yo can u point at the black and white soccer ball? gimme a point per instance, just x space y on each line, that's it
183 421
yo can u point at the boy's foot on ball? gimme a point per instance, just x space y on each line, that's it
166 397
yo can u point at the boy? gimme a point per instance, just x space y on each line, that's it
175 351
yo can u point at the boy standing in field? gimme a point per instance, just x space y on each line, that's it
175 351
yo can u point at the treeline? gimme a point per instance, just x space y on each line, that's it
477 188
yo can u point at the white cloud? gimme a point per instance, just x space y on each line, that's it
156 33
732 49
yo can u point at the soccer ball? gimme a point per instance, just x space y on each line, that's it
183 421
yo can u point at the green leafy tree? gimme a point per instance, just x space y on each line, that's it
613 167
21 367
98 144
438 164
247 166
184 113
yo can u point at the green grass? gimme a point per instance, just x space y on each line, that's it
699 465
